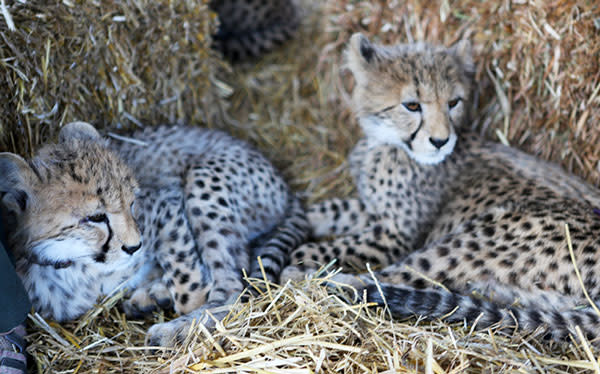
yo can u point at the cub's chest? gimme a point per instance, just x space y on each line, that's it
387 174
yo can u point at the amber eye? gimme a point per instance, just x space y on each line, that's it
453 103
100 217
412 106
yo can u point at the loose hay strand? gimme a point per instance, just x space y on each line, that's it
7 17
264 275
587 350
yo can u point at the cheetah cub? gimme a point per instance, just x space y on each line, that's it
170 215
438 202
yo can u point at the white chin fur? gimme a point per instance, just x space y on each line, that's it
432 158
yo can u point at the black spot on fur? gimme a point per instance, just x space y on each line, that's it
424 264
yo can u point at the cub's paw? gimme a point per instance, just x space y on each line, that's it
350 287
147 299
349 280
169 334
295 273
161 295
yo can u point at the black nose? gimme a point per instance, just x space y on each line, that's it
131 249
438 143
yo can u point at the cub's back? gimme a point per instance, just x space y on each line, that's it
544 174
164 152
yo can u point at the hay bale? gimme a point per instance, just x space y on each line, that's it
116 64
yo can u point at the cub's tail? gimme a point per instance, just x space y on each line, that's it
432 304
275 247
248 29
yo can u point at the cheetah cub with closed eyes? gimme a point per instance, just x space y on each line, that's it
174 215
436 201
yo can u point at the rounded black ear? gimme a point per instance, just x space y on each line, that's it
367 51
360 54
362 47
78 130
16 182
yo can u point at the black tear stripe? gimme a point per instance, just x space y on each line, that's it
451 121
101 257
414 135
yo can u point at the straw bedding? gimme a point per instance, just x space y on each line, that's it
130 63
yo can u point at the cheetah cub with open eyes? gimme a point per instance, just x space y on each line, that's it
174 215
438 201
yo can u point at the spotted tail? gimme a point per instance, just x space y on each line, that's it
275 247
432 304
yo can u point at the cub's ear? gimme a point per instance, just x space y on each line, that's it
464 51
360 55
78 130
16 182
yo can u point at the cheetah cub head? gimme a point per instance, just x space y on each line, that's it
71 204
414 96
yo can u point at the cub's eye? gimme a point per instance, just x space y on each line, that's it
100 217
453 103
412 106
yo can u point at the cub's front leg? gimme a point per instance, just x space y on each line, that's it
377 246
222 246
337 217
173 273
148 296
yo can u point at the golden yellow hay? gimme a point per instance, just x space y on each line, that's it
130 63
300 328
115 64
